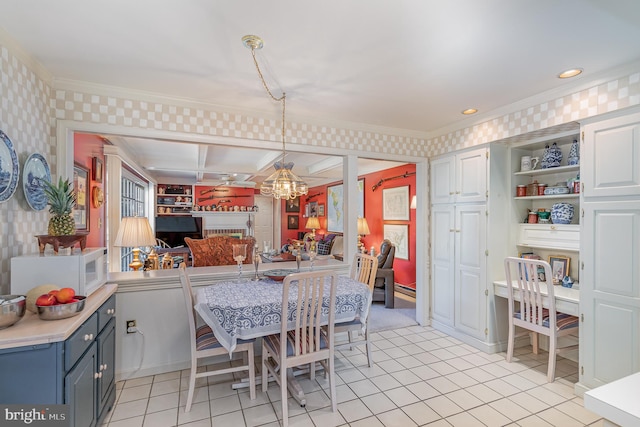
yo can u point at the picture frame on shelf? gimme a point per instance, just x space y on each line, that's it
398 234
96 172
559 267
292 205
293 222
395 204
81 209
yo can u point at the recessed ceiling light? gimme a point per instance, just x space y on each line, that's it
469 111
570 73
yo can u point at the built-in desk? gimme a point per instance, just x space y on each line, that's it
567 299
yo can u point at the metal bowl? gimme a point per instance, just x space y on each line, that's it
11 311
61 311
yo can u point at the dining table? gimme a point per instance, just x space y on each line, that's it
245 309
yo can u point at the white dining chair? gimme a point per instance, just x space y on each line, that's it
363 269
205 344
302 339
525 286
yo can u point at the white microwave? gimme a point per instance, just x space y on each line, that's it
84 271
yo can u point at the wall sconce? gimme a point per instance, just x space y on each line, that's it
414 202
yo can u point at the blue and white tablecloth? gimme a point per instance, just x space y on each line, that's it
249 309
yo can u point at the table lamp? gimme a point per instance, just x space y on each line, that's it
314 224
363 230
134 232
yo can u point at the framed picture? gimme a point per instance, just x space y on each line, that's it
292 222
335 211
559 267
395 204
321 209
80 211
292 205
313 208
398 234
96 173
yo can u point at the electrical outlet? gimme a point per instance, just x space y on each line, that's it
131 326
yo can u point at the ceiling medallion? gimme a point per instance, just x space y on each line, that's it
283 183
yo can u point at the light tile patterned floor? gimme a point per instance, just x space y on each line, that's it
420 377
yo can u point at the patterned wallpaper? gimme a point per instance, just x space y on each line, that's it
30 108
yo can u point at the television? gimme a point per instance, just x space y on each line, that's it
173 229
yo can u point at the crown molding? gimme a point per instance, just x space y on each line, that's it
25 57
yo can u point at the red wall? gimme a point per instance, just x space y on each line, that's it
405 270
86 147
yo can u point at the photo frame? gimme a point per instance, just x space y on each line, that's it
313 209
559 267
335 208
96 172
81 210
398 234
292 222
395 204
321 209
292 205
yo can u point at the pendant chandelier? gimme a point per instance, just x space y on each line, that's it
283 183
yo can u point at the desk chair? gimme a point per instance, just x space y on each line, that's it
364 270
302 340
205 344
526 276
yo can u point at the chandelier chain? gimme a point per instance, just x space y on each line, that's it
282 99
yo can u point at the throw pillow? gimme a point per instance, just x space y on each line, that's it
324 248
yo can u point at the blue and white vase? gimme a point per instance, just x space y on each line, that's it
574 154
562 213
552 156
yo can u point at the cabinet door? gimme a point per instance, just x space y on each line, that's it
80 390
106 363
471 176
443 180
471 269
442 261
611 157
610 292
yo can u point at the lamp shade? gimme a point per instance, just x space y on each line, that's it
135 231
363 227
313 223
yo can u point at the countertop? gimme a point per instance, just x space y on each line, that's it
30 330
617 401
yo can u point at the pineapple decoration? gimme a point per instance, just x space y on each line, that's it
61 199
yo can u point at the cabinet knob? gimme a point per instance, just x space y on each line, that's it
457 192
451 193
88 337
553 227
451 230
97 375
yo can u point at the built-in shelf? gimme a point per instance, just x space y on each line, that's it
559 169
551 196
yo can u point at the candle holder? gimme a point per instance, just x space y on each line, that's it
256 261
239 255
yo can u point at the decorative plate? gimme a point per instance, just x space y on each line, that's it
278 275
34 172
9 167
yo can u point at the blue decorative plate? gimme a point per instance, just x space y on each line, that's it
34 172
9 167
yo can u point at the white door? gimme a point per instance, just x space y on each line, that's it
443 180
471 176
263 227
610 292
442 262
471 269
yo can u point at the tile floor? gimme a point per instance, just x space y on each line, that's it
420 377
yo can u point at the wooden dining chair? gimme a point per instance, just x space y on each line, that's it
302 339
363 270
525 285
205 344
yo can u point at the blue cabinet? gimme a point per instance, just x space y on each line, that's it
79 371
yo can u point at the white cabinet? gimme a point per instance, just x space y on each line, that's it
460 178
461 242
610 248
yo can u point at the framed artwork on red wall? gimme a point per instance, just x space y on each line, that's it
80 211
398 234
395 204
97 170
292 222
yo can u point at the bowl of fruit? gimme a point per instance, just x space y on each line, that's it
59 304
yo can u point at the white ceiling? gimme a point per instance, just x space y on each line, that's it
407 64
